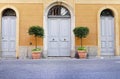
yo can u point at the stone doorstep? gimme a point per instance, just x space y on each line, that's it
7 58
110 57
59 58
90 57
104 57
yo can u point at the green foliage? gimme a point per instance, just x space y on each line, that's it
37 49
81 48
37 31
81 32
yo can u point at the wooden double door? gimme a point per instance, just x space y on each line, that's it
59 39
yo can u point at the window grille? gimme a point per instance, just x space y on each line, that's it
59 10
8 12
107 12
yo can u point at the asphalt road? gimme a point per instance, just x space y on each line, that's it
60 69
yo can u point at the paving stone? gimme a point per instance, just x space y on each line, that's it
60 69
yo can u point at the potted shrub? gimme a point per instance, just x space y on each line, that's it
37 32
81 32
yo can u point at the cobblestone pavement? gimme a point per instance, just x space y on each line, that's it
60 69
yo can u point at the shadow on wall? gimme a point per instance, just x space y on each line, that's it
91 51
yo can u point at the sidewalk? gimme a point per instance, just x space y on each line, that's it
94 57
105 57
60 69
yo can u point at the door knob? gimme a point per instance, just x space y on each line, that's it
64 39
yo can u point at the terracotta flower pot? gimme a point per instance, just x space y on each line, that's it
82 54
36 55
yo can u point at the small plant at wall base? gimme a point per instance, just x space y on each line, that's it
37 32
81 32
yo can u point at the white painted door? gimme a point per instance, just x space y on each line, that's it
8 36
107 36
59 37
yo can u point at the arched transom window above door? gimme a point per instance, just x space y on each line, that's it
8 12
59 10
107 12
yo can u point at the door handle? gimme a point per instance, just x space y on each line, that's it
64 39
53 39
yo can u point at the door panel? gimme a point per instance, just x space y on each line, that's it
53 49
8 36
5 38
53 30
59 37
64 27
53 37
65 37
107 36
12 37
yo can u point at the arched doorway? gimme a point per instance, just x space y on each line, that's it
107 32
59 31
8 33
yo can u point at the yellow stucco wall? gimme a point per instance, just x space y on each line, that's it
29 14
21 1
86 15
32 14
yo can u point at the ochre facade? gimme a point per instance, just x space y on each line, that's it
84 13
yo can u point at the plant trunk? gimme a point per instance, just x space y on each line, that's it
36 42
81 41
